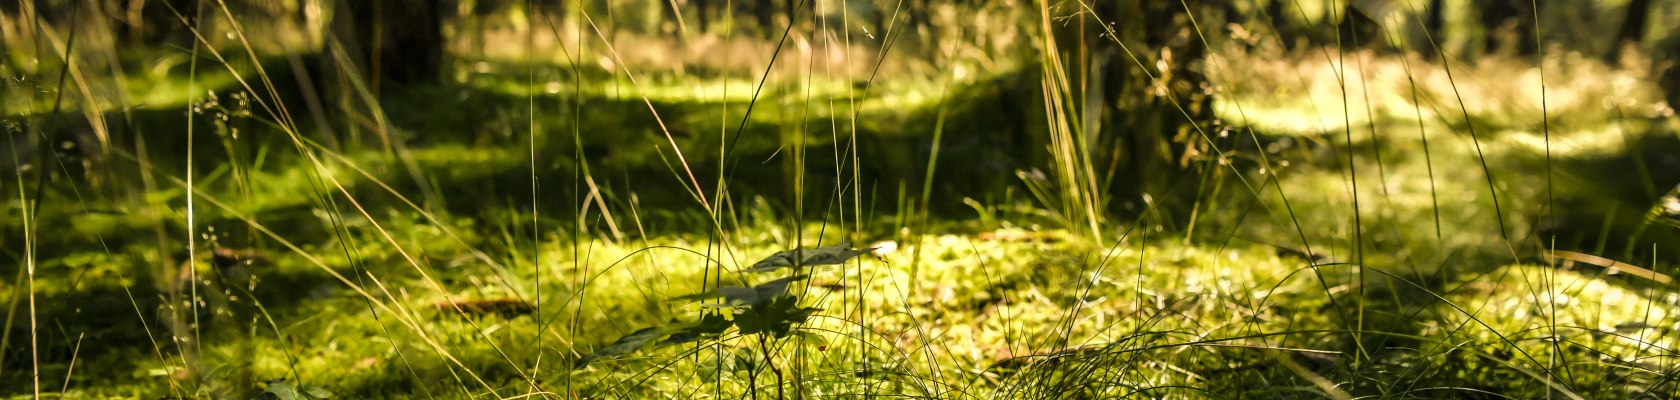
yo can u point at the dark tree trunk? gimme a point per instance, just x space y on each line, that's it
672 11
1633 28
792 12
703 14
1527 27
1434 24
916 18
1148 143
378 47
554 9
1279 16
1508 23
1357 29
1670 83
152 22
400 41
1233 15
765 10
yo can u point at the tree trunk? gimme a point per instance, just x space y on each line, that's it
1434 24
1279 16
703 14
916 19
765 10
1508 23
1357 29
1670 83
1633 29
1147 143
792 12
400 41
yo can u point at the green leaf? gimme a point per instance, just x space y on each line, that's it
812 337
775 317
317 392
278 390
710 325
827 255
624 345
1667 209
736 295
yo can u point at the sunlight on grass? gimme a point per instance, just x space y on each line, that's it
1303 95
767 200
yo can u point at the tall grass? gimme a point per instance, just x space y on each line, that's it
1070 145
1308 262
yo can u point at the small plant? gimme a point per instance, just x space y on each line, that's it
282 390
1667 209
762 309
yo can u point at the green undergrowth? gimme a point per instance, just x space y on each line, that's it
1496 96
504 238
1422 163
1007 313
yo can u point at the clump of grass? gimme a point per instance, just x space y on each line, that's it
453 267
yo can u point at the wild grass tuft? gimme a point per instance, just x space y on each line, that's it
835 200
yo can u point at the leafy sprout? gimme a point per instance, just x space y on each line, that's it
750 296
761 308
827 255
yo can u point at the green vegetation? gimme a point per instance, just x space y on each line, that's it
306 199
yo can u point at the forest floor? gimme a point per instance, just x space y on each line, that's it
1375 242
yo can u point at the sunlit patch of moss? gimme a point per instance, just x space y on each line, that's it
93 224
160 84
969 304
284 188
1608 141
1526 322
1306 95
164 93
825 98
621 87
1411 210
960 316
946 314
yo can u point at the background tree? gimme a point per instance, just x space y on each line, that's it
1143 111
1632 29
395 42
1508 26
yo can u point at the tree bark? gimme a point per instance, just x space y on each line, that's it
1509 23
765 11
1434 26
703 15
1147 143
1357 30
1279 17
1633 29
400 41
